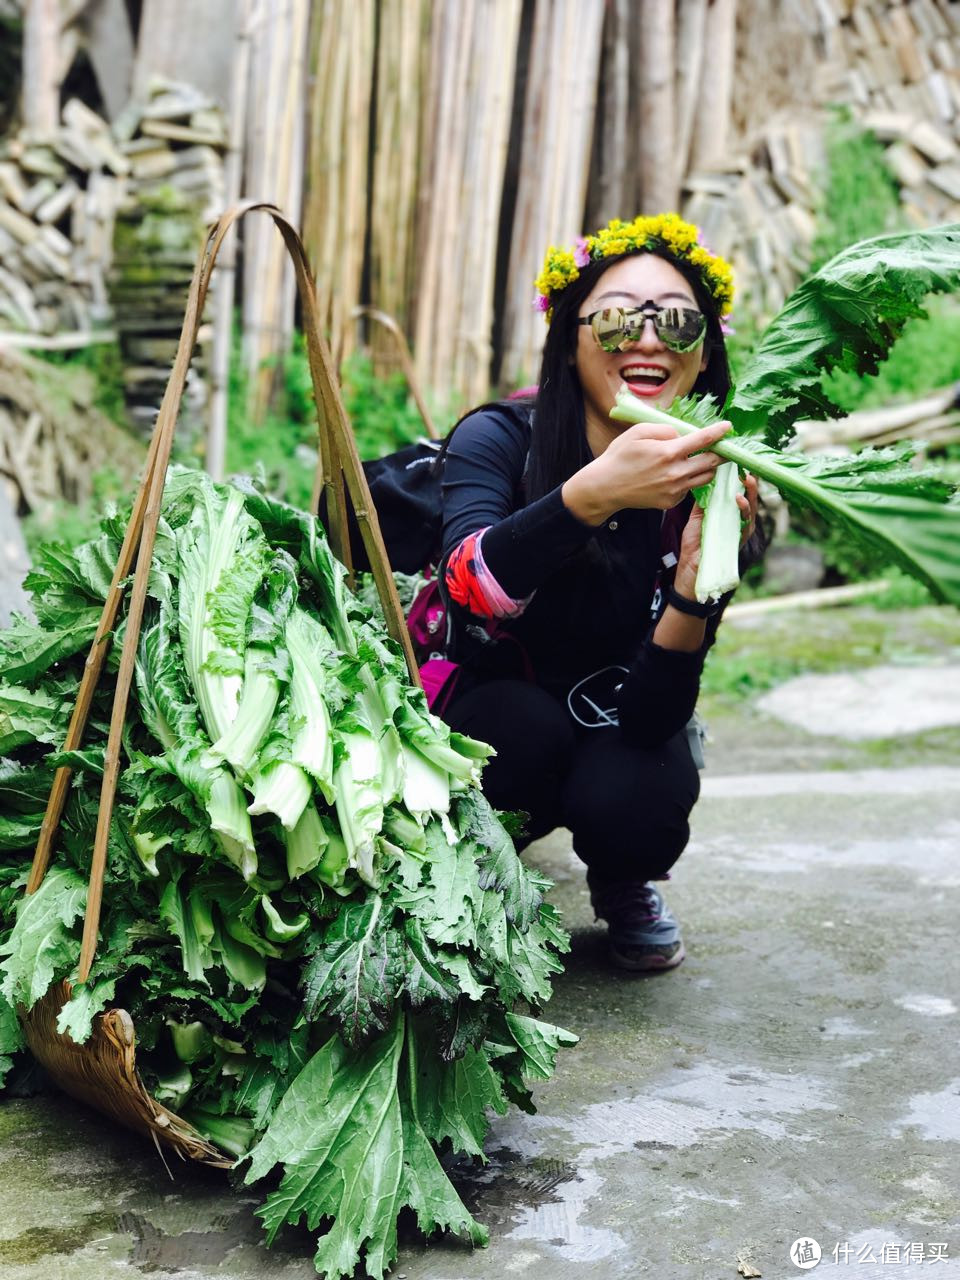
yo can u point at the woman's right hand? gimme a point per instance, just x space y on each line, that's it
646 466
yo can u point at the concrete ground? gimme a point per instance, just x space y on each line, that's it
796 1079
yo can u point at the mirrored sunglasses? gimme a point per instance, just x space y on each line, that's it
678 328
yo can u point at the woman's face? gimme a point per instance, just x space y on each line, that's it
648 368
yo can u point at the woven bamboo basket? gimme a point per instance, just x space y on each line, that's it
103 1072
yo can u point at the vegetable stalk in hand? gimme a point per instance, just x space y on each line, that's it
908 516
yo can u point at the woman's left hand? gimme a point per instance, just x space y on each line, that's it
747 502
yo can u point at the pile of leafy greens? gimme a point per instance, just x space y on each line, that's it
845 316
323 932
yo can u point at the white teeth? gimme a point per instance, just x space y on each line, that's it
644 371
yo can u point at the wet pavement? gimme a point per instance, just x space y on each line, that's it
796 1079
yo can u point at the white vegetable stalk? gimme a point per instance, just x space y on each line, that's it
281 789
258 701
719 569
720 535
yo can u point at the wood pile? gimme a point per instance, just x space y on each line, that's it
59 193
100 226
435 148
174 186
596 109
53 440
895 66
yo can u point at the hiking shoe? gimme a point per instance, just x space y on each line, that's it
644 934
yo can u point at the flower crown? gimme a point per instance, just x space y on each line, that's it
665 231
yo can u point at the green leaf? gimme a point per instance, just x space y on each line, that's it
27 651
906 517
338 1132
532 955
354 977
192 927
500 868
845 316
41 947
423 966
31 715
539 1043
426 1187
351 1139
454 1097
19 832
11 1037
86 1001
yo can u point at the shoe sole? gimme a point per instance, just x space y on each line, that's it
652 963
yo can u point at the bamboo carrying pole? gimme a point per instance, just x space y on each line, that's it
339 453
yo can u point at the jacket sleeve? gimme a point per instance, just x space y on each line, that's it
659 693
482 490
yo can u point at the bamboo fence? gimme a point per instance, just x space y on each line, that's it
434 148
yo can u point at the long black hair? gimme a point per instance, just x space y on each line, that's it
558 443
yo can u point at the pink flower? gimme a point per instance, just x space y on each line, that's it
581 252
726 329
540 303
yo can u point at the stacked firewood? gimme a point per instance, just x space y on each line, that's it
58 198
54 441
174 187
895 67
100 226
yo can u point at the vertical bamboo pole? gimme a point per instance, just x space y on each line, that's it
41 60
558 128
278 60
691 27
711 132
613 159
224 284
342 57
657 144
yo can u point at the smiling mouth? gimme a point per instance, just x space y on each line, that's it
647 377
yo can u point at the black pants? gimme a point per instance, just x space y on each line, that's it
628 807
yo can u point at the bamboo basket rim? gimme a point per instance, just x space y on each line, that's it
102 1071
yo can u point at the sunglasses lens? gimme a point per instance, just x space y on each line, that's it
680 328
610 328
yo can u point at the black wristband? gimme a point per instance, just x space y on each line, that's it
692 607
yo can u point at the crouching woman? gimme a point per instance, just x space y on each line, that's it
571 545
